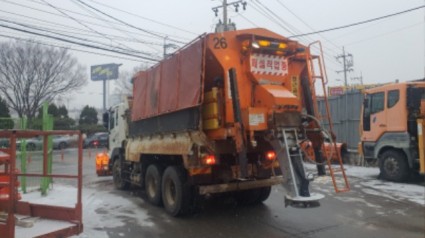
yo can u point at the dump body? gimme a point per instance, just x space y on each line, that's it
391 128
214 113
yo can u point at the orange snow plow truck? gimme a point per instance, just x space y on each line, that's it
226 113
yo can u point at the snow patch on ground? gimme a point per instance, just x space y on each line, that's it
361 172
357 200
369 184
110 211
101 209
412 192
57 195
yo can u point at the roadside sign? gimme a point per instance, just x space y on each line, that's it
104 72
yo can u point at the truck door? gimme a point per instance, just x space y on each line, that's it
113 130
374 117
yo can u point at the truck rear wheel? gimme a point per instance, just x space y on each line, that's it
175 191
248 197
153 184
393 166
264 194
253 196
117 174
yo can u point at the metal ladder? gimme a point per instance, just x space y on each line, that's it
339 186
290 157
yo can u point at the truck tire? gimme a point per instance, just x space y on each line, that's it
393 166
117 175
153 180
175 191
264 194
248 197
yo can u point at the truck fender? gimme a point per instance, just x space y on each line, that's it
115 154
396 140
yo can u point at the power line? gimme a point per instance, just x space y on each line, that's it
359 23
55 14
127 24
78 43
386 33
305 23
81 23
112 25
69 36
68 48
79 30
276 18
266 15
248 20
145 18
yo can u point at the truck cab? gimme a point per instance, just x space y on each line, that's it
391 128
116 122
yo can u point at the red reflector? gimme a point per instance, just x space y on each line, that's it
209 160
270 155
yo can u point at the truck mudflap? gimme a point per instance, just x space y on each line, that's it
239 185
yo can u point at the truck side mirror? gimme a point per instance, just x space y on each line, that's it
105 119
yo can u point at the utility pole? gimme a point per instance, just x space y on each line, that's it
347 62
169 45
360 78
226 25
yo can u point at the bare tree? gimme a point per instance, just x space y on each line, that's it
31 74
123 85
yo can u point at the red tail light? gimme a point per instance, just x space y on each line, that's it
95 143
210 160
270 155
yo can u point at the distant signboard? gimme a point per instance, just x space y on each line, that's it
334 91
340 90
104 72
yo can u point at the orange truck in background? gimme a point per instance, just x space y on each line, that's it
392 129
226 113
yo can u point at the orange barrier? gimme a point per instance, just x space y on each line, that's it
102 161
5 191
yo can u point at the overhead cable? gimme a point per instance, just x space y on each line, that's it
70 36
81 23
79 43
69 48
358 23
127 24
145 18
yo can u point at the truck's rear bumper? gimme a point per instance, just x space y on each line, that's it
239 185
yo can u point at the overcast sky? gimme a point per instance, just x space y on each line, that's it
383 50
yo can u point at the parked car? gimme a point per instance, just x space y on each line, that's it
58 142
96 140
4 143
63 141
35 143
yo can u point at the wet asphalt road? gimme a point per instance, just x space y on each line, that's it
351 214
